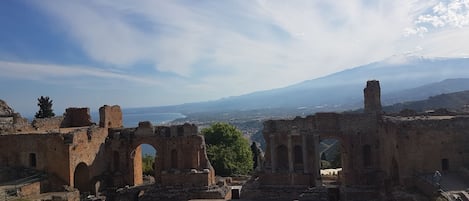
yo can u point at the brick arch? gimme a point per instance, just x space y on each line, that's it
135 157
81 177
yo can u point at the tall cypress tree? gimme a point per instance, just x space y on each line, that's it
45 107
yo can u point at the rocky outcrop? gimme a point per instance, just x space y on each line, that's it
5 110
11 122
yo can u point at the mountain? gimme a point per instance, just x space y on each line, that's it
342 90
457 101
425 91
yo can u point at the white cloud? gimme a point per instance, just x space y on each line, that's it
445 13
44 72
233 47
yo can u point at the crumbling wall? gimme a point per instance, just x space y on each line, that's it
88 147
420 144
77 117
44 152
372 94
110 116
48 124
181 154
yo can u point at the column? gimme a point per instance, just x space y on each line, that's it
305 153
273 154
317 170
290 154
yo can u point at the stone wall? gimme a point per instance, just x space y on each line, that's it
88 148
110 116
181 154
48 124
30 189
77 117
44 152
421 144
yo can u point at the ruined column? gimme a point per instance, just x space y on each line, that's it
305 153
372 94
317 171
273 155
290 154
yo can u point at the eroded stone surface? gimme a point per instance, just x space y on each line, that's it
378 151
92 158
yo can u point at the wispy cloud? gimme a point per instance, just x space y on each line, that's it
233 47
44 72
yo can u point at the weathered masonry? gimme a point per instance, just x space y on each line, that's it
75 152
377 150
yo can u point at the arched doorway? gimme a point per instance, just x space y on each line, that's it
144 160
330 159
81 178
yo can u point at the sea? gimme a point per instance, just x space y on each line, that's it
131 117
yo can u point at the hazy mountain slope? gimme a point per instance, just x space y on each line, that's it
342 90
451 101
425 91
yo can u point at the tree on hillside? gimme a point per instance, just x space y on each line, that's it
148 162
45 107
228 151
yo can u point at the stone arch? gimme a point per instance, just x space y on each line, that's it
81 178
282 158
137 162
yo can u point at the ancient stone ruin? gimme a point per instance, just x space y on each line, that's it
71 152
379 153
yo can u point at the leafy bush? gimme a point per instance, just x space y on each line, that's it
228 151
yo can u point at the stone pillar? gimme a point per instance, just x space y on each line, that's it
273 154
317 169
372 97
290 154
305 153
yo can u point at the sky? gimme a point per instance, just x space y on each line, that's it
154 53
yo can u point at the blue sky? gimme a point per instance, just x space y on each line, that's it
151 53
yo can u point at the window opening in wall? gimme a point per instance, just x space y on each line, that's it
444 164
32 160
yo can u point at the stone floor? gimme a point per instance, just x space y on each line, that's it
455 186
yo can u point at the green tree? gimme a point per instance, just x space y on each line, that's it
45 107
148 162
228 151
